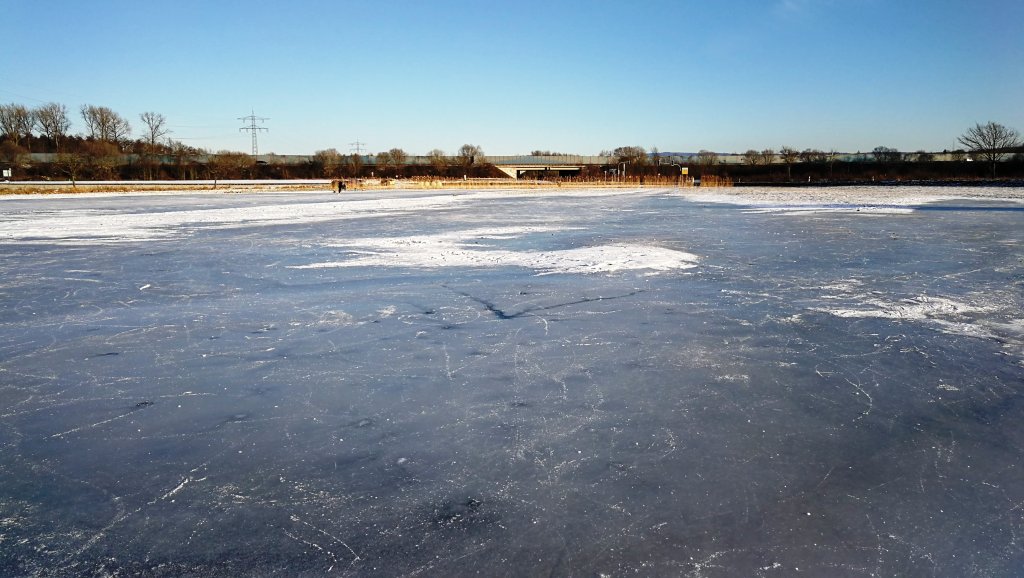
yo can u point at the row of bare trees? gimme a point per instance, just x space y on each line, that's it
51 121
107 136
329 163
990 142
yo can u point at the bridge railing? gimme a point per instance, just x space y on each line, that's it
550 160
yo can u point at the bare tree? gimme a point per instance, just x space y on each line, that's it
752 157
398 157
120 130
812 156
91 116
156 127
16 121
186 159
14 154
231 165
394 158
706 158
383 161
633 155
71 164
53 121
354 163
470 154
990 142
328 162
439 161
103 158
885 154
789 155
767 157
104 124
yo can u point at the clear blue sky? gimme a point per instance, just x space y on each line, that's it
513 76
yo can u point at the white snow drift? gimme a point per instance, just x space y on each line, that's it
477 248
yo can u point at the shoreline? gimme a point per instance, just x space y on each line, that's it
997 183
806 195
8 188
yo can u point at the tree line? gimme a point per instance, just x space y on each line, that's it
99 151
107 150
469 160
987 144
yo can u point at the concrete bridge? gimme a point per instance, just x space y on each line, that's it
514 166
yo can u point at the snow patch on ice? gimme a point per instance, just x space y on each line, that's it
979 316
476 248
73 227
811 210
91 226
915 308
336 319
864 200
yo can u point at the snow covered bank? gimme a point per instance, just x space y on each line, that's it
860 199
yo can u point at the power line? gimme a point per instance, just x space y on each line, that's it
357 146
252 127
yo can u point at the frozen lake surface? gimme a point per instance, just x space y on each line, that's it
592 383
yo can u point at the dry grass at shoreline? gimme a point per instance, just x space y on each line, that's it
36 188
142 187
708 192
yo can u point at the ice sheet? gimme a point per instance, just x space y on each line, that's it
509 383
